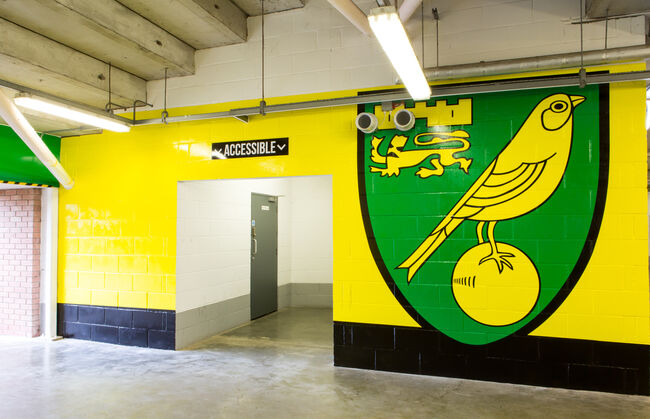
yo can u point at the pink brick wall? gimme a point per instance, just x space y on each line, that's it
20 239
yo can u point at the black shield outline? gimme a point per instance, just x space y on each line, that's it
581 263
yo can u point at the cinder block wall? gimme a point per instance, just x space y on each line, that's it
315 49
20 238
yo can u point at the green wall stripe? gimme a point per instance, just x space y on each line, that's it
18 165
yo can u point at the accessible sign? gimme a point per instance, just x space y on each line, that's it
251 148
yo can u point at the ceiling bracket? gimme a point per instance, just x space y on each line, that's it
582 78
110 106
436 17
165 114
138 103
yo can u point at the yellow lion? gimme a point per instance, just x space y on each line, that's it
396 158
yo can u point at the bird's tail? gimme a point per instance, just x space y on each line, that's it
414 262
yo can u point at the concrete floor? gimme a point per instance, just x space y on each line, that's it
279 366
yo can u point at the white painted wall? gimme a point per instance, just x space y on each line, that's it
311 229
213 249
315 49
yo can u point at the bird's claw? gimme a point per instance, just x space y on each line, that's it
500 259
464 164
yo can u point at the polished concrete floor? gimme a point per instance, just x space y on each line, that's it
279 366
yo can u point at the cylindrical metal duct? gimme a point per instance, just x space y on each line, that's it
10 113
544 62
352 12
407 8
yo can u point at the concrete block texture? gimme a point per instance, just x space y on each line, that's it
202 322
284 296
315 49
311 295
213 252
122 326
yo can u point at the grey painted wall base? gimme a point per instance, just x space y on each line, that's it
284 295
307 295
200 323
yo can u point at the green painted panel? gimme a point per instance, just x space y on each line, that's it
19 164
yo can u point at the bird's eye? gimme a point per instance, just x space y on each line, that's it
559 106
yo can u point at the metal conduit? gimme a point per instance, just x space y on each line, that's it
544 62
402 94
549 62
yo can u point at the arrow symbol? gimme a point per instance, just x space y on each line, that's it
218 154
281 147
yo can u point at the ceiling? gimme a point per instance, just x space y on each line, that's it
64 47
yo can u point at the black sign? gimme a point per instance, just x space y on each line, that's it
252 148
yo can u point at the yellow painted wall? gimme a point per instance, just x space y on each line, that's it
118 224
611 300
117 240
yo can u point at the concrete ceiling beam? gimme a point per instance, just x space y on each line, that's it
106 30
199 23
254 7
34 61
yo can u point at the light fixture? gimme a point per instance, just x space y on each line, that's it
387 27
69 113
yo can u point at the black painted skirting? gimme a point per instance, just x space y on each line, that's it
541 361
122 326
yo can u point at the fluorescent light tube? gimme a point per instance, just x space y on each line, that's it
66 112
387 27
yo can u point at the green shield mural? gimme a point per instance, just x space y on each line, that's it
483 216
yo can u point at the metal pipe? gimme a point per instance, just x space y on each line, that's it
544 62
402 94
609 17
352 12
12 116
407 9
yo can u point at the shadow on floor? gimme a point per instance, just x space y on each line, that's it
279 366
300 327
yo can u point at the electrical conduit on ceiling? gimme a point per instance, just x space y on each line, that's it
10 113
548 62
544 62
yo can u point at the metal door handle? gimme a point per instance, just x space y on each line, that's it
255 248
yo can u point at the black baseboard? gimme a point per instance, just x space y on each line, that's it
540 361
118 325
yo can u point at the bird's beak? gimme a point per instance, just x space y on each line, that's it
576 100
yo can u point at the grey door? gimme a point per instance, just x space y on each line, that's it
264 255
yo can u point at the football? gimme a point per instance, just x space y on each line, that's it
491 297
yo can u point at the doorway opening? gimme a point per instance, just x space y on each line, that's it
227 276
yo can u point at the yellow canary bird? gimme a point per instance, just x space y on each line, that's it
520 178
